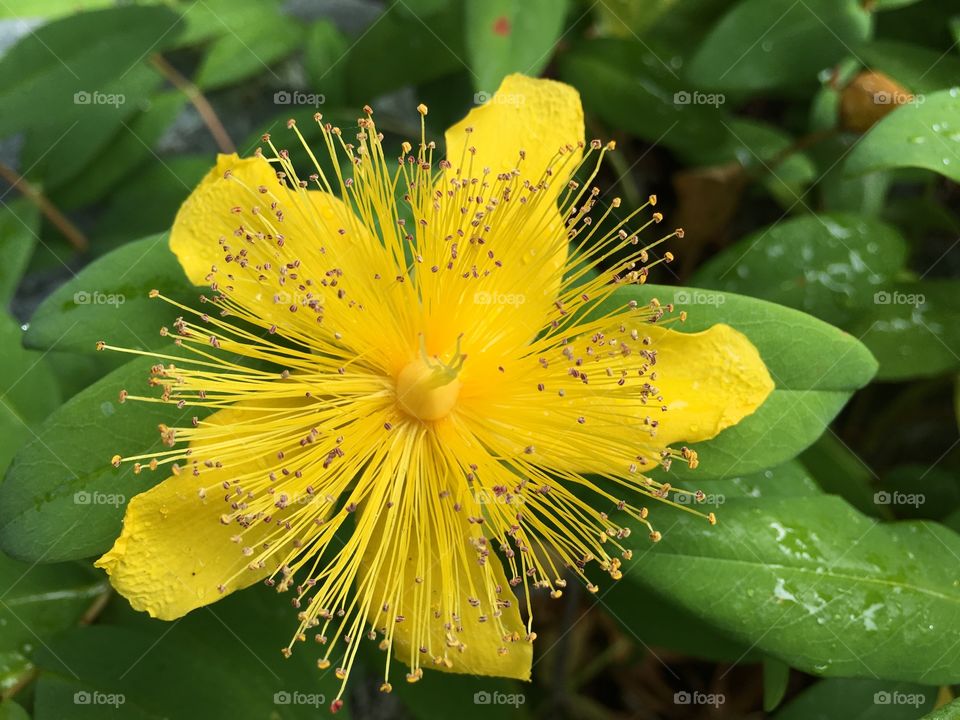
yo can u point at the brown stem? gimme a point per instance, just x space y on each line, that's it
31 193
199 101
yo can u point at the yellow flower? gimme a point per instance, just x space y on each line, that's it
440 410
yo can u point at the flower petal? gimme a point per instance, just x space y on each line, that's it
205 216
174 552
709 380
488 648
536 116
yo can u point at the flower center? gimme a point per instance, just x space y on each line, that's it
428 390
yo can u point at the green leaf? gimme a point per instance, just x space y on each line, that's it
41 600
28 391
867 699
762 44
56 157
947 712
140 661
630 87
815 368
48 68
913 328
828 265
918 135
432 48
690 632
9 710
918 68
504 37
62 499
324 50
149 201
776 676
816 584
14 668
19 224
476 698
839 471
756 146
246 50
129 147
108 300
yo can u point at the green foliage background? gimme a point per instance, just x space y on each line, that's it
822 220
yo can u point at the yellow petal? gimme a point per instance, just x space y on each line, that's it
174 552
536 116
483 642
709 380
205 216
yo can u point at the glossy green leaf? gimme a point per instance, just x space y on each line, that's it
246 50
776 677
828 265
504 37
148 202
920 69
476 698
761 44
19 224
913 328
432 47
14 669
811 581
132 145
325 49
950 711
689 631
109 300
850 699
917 135
839 471
222 661
9 710
62 499
632 88
28 391
49 68
55 154
40 600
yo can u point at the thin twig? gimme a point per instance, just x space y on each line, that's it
31 193
199 101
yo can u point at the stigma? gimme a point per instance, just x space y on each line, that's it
428 389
